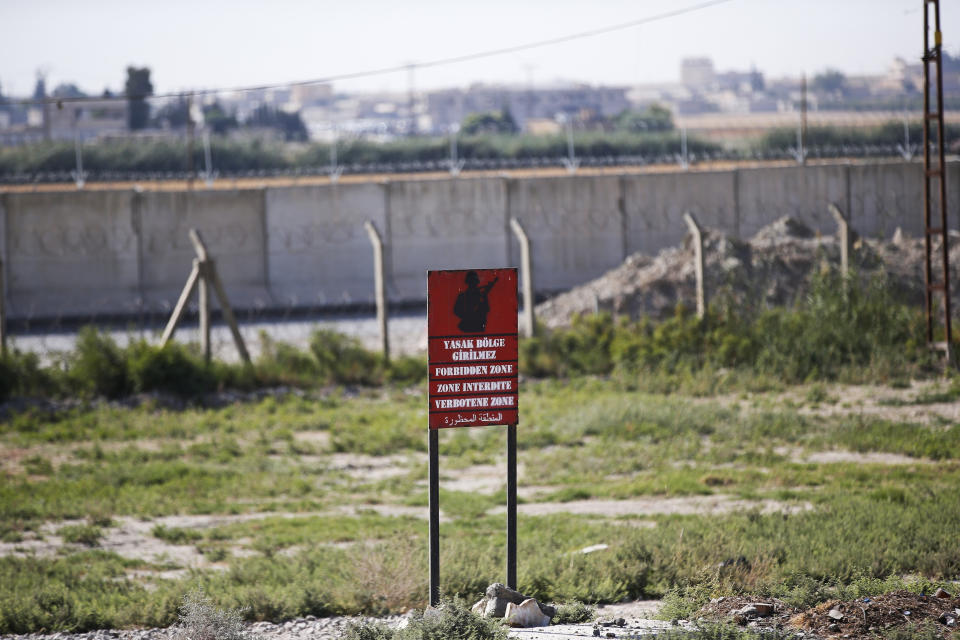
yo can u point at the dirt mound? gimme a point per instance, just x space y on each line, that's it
873 615
770 269
748 611
851 619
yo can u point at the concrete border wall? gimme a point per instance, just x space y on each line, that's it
93 253
316 231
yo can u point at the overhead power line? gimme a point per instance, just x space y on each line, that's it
397 68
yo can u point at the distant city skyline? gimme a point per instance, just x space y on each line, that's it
218 44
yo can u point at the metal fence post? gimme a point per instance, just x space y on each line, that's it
379 289
527 270
697 233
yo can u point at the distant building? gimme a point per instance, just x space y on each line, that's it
87 120
450 106
697 73
311 95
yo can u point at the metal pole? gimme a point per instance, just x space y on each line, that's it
207 157
526 266
456 164
941 164
335 169
928 275
933 56
803 119
684 159
379 289
190 130
572 163
433 446
333 153
908 152
80 176
453 149
512 506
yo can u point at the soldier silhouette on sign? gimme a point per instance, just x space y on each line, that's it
472 305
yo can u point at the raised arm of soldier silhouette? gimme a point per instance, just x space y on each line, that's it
472 305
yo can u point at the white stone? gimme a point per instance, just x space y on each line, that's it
527 614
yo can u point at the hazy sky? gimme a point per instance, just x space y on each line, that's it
220 43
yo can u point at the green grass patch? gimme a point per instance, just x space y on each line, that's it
84 534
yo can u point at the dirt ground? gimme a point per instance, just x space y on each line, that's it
864 617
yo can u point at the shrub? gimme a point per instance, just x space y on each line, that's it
407 370
98 365
573 613
84 534
840 329
343 360
200 620
22 375
170 369
452 620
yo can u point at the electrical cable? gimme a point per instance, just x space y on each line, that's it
393 69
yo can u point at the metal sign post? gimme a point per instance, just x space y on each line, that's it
473 351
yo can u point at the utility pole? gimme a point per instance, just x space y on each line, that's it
935 185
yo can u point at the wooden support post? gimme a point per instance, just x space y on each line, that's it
526 268
3 315
204 275
213 278
843 233
379 289
203 293
697 233
181 303
228 312
198 246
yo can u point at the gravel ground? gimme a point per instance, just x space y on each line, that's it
627 620
300 628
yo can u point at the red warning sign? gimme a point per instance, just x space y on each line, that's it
472 327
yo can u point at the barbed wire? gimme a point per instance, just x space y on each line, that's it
469 164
